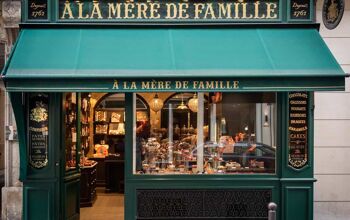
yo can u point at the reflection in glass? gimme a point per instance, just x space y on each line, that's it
209 133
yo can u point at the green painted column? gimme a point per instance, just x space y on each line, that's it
40 185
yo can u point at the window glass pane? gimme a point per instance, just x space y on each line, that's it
244 132
206 133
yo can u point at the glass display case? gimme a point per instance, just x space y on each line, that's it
208 133
70 125
86 125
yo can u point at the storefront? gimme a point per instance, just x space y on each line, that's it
204 108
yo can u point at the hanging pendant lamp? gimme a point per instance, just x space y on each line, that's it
193 103
156 103
182 106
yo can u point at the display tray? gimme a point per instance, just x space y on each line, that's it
93 165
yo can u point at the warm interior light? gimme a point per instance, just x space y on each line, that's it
193 103
156 103
182 106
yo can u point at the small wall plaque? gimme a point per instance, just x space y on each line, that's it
300 9
38 129
332 13
37 9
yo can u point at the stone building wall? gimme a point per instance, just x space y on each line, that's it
332 131
12 191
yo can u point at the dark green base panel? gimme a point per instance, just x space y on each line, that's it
72 202
39 200
203 204
175 198
298 201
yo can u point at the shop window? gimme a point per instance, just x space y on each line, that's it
206 133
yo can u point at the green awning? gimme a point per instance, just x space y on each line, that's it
90 59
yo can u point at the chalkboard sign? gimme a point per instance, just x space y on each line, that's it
38 127
37 9
298 129
300 9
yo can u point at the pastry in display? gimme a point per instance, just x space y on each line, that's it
182 168
70 164
194 169
116 129
156 154
171 167
260 164
100 116
84 161
101 129
115 117
101 149
221 169
145 167
232 166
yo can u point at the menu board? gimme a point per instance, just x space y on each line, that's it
38 127
37 9
298 129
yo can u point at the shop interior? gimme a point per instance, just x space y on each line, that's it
175 133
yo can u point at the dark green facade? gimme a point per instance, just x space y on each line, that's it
48 194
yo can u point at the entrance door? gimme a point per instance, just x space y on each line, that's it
93 153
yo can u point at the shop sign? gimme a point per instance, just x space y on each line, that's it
300 9
166 85
332 13
37 9
298 129
167 11
38 122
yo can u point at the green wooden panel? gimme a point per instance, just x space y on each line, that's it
40 200
38 205
72 199
298 203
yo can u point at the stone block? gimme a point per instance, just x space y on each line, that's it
11 203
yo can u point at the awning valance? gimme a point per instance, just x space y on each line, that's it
92 59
